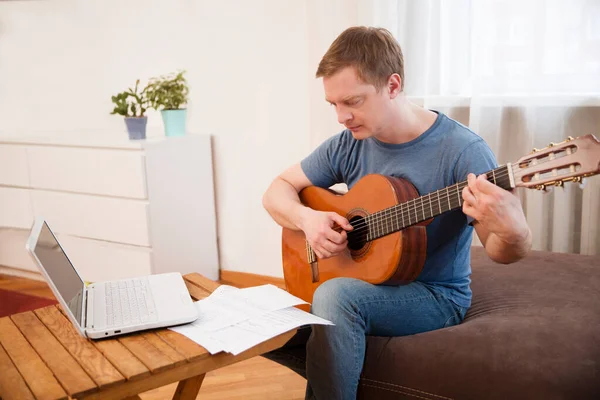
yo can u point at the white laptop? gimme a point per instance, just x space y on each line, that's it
109 308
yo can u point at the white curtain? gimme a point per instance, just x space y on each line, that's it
521 74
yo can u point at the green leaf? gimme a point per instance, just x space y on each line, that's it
168 92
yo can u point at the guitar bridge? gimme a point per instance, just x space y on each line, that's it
314 264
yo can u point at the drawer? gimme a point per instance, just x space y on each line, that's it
93 217
106 172
94 260
15 208
13 165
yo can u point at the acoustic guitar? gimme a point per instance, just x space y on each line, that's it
388 243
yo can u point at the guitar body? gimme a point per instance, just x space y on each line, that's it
394 259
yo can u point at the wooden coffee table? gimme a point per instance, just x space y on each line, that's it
43 357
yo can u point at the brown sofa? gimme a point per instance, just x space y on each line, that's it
532 332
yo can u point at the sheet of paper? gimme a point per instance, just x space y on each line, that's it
203 338
228 305
247 334
234 320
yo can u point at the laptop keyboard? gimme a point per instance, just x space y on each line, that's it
129 302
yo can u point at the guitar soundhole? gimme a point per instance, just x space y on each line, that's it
357 239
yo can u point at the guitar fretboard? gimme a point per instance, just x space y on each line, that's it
420 209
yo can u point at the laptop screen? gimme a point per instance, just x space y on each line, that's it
60 270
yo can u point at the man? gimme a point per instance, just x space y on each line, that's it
363 78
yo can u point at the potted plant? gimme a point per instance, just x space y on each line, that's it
132 104
169 94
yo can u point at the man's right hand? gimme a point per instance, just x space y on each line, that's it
318 226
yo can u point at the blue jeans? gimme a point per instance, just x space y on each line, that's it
331 357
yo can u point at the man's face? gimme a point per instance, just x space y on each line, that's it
358 105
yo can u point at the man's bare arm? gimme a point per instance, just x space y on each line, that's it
283 204
281 198
503 251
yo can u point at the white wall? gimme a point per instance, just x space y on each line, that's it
249 74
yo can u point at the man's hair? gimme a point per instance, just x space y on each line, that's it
374 52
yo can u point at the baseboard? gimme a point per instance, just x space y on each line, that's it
246 279
21 273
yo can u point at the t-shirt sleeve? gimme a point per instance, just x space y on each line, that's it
323 167
476 158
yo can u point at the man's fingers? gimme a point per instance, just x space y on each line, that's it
322 253
471 211
325 254
329 250
335 237
472 184
329 246
317 252
341 221
468 196
484 186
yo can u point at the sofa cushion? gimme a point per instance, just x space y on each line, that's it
533 331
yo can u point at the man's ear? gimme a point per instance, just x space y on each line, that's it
394 85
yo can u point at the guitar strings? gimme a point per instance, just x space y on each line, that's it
387 214
413 210
434 196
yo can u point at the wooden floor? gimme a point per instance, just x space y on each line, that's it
253 379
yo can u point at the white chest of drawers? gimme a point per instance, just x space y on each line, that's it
120 208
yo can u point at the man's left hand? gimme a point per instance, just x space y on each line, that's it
498 210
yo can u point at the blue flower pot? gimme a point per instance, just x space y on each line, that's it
136 127
174 121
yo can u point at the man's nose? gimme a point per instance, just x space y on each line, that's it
343 115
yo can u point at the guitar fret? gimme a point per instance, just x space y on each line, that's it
448 197
375 226
423 210
494 176
458 195
415 211
402 214
430 207
374 235
439 202
396 215
385 224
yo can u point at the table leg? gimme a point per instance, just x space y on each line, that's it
188 388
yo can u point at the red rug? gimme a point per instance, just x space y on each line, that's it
15 302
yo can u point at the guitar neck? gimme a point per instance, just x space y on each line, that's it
422 208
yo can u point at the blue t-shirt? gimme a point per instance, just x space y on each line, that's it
442 156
